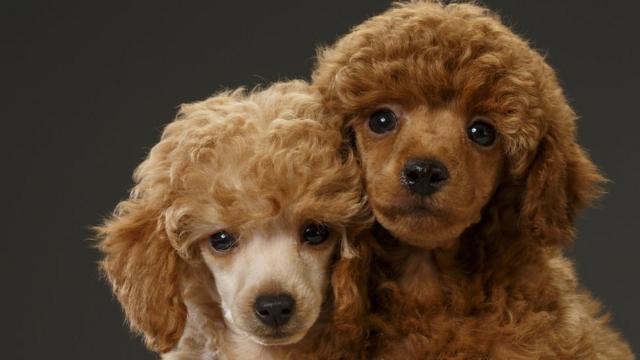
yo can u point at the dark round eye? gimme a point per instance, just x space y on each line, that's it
482 133
222 241
315 234
383 121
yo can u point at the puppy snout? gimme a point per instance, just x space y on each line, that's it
274 310
424 176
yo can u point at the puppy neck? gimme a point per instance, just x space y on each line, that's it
417 272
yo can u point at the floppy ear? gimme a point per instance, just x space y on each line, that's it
144 271
140 262
561 180
148 255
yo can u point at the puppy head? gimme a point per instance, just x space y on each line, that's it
451 111
256 191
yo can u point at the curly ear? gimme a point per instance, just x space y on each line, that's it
561 180
139 261
144 271
350 299
148 255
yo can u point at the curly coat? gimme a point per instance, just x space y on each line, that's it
476 271
239 159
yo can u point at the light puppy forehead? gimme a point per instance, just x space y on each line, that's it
271 154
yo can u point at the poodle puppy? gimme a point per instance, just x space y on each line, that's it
474 175
237 241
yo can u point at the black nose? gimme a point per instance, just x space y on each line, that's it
274 310
424 177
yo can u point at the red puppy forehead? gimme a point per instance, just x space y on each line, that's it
458 56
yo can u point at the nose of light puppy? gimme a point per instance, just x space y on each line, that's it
274 310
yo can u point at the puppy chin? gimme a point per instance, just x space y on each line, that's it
286 335
421 230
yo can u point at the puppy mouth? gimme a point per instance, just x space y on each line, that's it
414 207
276 338
417 210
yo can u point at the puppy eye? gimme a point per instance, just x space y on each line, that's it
383 121
222 241
315 234
482 133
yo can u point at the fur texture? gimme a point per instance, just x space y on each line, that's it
476 270
259 165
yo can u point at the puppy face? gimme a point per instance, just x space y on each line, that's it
263 196
428 171
271 282
448 106
270 239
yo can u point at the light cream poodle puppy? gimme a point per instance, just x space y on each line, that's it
237 240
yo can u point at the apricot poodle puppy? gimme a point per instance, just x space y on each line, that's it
473 172
237 241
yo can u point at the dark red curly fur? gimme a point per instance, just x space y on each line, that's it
479 273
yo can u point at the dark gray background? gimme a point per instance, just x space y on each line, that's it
87 87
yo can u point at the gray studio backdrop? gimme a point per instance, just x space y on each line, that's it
87 87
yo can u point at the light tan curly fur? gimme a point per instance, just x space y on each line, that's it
476 271
249 163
